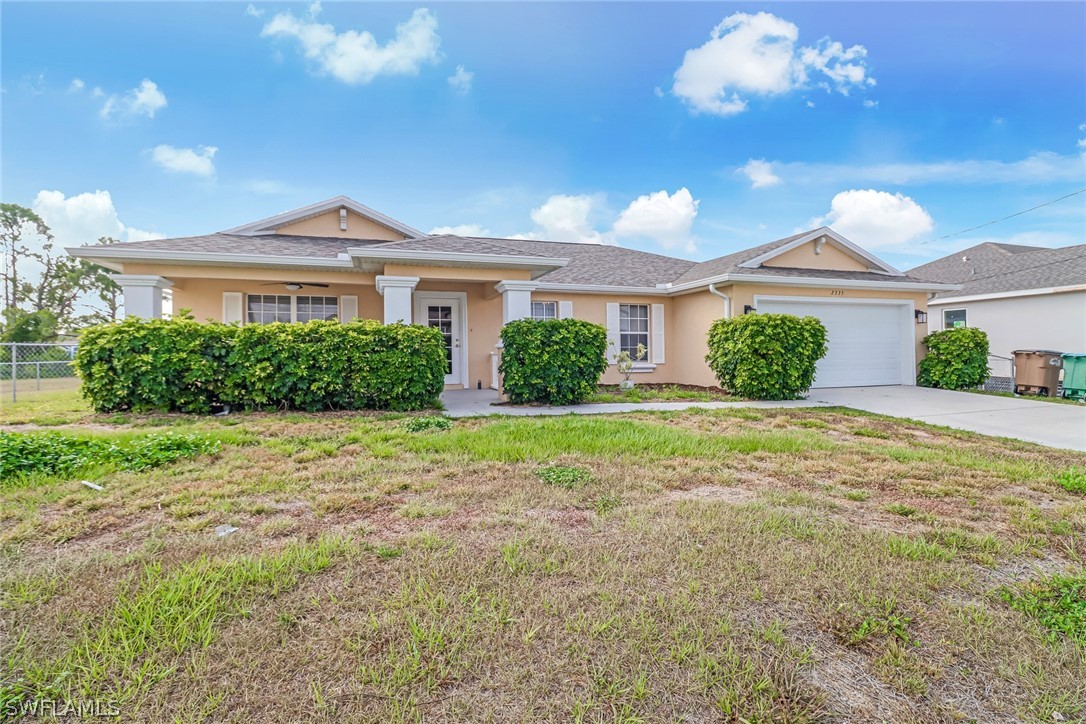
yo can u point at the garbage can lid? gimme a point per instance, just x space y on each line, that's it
1074 354
1037 351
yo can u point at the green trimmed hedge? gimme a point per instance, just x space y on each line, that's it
957 359
554 362
181 365
766 356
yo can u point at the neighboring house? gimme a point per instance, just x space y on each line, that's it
1024 297
341 259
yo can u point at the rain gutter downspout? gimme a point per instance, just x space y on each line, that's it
726 298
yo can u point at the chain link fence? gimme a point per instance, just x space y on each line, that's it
30 370
1000 374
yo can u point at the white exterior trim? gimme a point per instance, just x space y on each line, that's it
908 322
268 225
818 282
142 294
103 254
397 293
879 265
461 298
1006 295
516 299
507 261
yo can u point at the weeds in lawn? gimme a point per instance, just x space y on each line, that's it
905 511
1058 602
606 503
565 476
1073 480
426 422
917 549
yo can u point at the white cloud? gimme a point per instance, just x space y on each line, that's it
1043 167
666 219
356 57
83 218
461 230
760 173
76 85
461 80
252 11
876 219
566 218
198 161
810 104
97 92
756 55
143 100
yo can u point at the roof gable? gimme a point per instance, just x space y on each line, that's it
271 224
819 237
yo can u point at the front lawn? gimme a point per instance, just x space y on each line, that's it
661 393
736 565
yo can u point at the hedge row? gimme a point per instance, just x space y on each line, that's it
187 366
766 356
556 362
957 359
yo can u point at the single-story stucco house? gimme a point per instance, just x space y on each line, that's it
341 259
1023 297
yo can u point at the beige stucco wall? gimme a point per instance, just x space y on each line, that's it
804 257
204 296
358 227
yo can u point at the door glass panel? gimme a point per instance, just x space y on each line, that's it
440 316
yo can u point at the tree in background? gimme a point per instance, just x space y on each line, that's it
35 311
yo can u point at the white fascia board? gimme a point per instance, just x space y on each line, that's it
268 225
815 282
104 255
881 267
459 258
1005 295
599 289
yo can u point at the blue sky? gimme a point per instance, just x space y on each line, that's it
688 129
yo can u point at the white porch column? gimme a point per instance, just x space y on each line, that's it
397 294
516 299
142 294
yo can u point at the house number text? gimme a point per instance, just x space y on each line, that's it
837 292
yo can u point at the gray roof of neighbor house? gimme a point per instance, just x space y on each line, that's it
992 268
589 264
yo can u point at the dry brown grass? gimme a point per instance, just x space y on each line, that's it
769 565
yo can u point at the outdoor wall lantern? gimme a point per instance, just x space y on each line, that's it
921 316
748 309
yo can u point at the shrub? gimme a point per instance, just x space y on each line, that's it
186 366
766 356
957 359
556 362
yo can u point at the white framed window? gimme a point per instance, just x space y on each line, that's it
633 328
265 308
307 308
543 311
954 318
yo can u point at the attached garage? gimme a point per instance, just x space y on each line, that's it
870 340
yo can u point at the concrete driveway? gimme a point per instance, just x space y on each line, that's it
1047 423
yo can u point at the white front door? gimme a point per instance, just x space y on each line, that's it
445 312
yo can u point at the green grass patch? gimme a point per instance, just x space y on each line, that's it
25 454
427 422
565 476
905 511
162 614
543 439
916 549
1057 602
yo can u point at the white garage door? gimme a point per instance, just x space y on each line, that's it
866 344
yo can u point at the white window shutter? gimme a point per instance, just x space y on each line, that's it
565 310
612 332
657 334
348 308
231 307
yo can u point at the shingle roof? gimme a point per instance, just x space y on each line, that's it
588 263
272 244
730 263
993 268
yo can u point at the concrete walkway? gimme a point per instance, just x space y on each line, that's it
1047 423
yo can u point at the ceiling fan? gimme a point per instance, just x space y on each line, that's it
295 286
